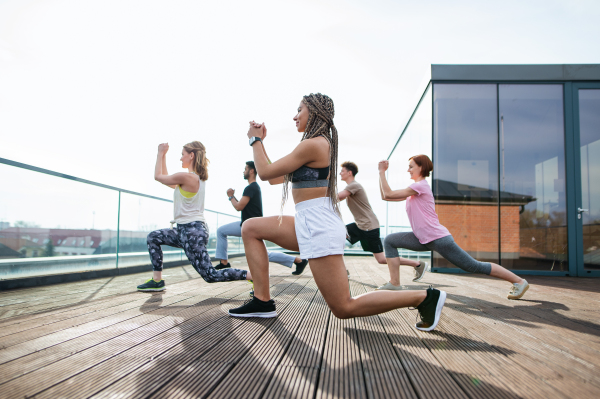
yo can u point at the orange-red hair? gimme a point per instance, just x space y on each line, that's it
424 162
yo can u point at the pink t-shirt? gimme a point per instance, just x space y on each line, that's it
421 214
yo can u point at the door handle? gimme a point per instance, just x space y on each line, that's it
580 211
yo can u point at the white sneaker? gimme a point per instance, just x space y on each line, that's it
518 290
420 270
389 287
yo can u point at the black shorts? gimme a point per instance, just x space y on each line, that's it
370 240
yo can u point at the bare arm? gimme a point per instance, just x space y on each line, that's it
241 204
387 194
277 180
342 195
307 151
160 169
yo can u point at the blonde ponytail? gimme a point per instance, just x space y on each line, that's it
200 160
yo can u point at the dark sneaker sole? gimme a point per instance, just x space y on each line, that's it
264 315
151 289
438 312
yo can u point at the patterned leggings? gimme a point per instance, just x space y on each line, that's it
192 238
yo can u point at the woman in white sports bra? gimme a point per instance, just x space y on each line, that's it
317 230
191 233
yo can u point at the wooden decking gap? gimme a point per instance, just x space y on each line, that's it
103 339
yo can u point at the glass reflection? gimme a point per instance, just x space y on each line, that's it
532 177
465 167
416 140
140 216
59 226
589 136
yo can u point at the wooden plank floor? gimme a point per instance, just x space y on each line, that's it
101 338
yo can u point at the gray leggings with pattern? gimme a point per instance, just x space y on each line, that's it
445 246
192 238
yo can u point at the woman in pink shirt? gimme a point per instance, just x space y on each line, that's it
428 234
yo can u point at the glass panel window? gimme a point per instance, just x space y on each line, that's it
416 140
589 136
532 177
465 167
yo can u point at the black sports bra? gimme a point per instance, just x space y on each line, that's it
305 177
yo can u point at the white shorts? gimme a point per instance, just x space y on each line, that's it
319 230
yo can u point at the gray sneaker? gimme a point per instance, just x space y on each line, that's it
420 270
389 287
518 290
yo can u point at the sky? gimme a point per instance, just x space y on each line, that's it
90 88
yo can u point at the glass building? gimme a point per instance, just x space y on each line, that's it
516 154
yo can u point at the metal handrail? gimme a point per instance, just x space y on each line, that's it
85 181
409 120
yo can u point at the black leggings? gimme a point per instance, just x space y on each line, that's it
445 246
192 238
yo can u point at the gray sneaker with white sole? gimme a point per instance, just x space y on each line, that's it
389 287
420 270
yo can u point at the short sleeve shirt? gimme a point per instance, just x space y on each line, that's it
361 209
254 207
421 214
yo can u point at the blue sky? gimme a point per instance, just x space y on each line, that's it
90 88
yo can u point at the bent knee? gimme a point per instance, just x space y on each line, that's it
387 243
342 311
151 237
250 227
208 278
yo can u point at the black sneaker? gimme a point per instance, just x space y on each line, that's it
152 285
430 309
222 266
255 308
300 267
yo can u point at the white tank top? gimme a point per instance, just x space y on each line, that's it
188 210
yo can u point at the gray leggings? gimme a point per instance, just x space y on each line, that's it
445 246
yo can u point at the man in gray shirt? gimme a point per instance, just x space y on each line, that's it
366 226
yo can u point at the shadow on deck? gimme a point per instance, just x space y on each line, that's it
101 338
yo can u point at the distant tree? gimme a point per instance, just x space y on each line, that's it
49 251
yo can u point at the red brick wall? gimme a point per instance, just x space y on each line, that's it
475 227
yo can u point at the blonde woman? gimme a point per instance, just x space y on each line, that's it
191 233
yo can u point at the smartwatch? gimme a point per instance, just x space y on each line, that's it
254 140
230 198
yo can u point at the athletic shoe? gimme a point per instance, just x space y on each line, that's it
255 308
152 285
222 266
389 287
420 270
300 267
430 309
518 290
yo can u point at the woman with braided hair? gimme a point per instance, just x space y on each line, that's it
317 229
191 233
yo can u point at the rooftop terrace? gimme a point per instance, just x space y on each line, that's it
101 338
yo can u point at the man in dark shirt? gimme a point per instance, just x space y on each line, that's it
251 206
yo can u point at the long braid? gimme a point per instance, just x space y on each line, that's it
320 123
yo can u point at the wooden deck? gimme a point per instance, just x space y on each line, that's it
101 338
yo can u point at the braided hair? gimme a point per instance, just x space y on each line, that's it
320 123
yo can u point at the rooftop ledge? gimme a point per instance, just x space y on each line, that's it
531 72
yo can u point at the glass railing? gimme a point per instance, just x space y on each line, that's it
52 223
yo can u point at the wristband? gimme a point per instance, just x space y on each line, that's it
230 198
